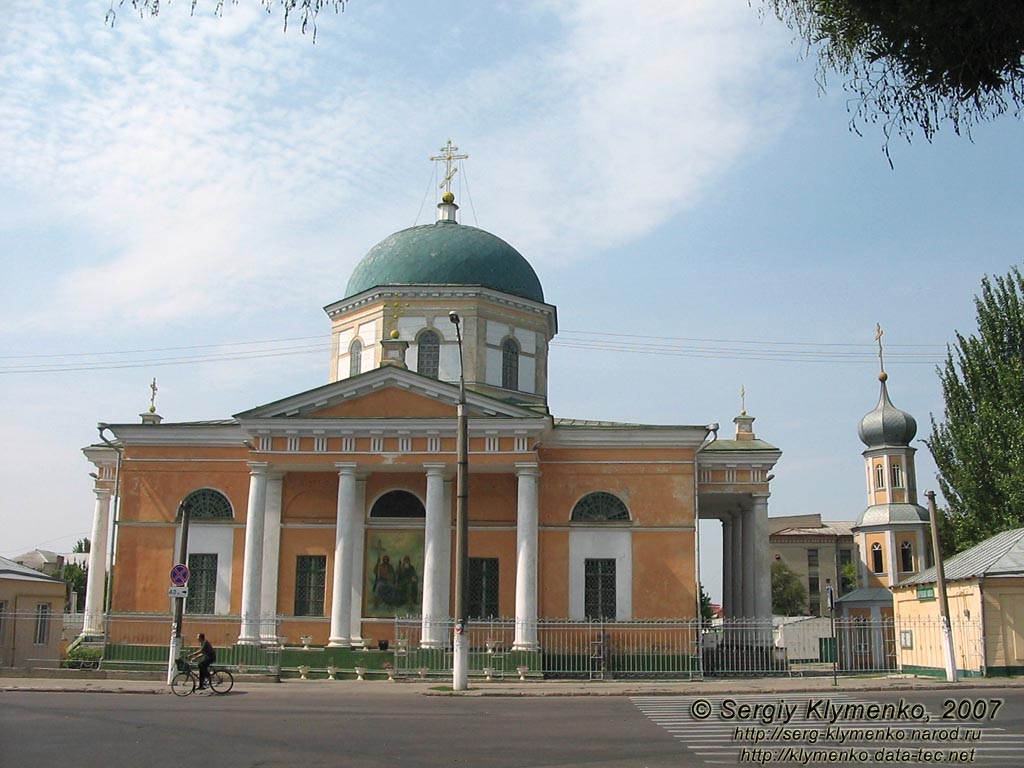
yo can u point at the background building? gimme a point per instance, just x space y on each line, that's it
817 552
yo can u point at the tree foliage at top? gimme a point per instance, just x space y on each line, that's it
307 10
81 546
915 64
789 596
979 445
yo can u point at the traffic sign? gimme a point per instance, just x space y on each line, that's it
179 575
177 592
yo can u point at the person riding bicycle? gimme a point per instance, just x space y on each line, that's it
208 655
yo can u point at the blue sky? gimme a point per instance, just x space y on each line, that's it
669 169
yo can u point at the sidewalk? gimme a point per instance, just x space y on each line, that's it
154 684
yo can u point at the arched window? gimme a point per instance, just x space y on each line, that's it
510 364
876 558
599 506
897 475
906 557
879 477
398 504
428 353
355 358
207 504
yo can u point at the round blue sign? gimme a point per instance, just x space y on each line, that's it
179 575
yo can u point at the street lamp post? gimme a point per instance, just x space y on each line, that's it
460 666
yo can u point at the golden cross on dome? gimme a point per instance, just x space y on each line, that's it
450 169
152 398
878 338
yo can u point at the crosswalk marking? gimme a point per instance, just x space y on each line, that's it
714 740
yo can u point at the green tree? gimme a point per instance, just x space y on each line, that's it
707 613
81 546
789 595
915 64
307 10
979 444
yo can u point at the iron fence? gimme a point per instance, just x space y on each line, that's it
692 648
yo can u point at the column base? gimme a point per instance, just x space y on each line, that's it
434 644
339 642
526 646
247 640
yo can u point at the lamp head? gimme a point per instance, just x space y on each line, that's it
454 317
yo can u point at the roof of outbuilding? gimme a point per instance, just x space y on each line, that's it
12 570
1001 555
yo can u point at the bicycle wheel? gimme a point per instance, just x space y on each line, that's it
183 683
221 681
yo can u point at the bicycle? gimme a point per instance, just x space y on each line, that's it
186 682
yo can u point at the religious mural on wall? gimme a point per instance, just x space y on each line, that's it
394 568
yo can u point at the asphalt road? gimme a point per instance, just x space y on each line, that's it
272 726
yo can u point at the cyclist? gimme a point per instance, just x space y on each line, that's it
208 656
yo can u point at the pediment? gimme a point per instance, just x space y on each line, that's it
387 392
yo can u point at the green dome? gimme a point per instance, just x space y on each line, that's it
446 253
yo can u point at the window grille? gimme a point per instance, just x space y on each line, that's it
42 633
813 586
510 364
906 557
355 358
398 504
599 588
310 584
815 607
428 353
202 584
600 506
876 558
207 504
812 558
482 600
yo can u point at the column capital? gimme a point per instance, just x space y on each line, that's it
527 468
259 467
762 496
346 467
102 493
436 469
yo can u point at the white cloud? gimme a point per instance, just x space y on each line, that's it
201 151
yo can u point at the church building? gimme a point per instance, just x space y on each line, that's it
329 512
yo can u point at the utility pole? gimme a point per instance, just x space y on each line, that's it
940 587
179 602
460 665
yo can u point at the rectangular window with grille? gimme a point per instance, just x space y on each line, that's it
42 633
482 600
599 588
310 584
812 558
202 584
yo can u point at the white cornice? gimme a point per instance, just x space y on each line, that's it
206 435
746 459
625 437
458 292
495 426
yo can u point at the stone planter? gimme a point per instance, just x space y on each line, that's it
306 640
390 673
423 672
360 672
522 673
303 672
488 673
332 671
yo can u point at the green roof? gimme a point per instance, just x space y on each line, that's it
741 445
446 253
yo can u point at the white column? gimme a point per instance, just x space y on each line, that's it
341 600
526 558
727 565
271 558
97 564
737 565
762 559
749 572
358 552
437 555
892 567
252 567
